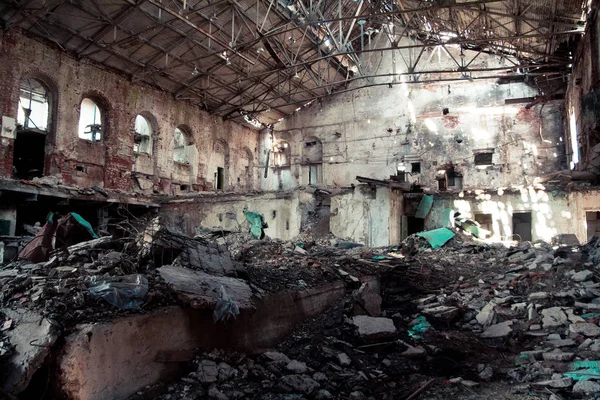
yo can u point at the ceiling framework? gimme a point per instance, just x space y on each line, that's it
259 60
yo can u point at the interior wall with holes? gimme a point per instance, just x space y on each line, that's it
112 162
399 125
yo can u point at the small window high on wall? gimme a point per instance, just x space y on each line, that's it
34 105
142 141
181 142
90 121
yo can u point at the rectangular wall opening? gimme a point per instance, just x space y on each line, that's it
522 226
592 219
313 175
414 225
220 181
485 220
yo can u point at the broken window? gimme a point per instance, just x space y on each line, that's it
313 174
415 167
90 121
281 152
34 105
484 159
449 179
142 140
181 142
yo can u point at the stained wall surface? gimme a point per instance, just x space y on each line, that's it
112 163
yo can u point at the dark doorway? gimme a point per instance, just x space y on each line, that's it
29 154
522 226
414 225
592 219
220 178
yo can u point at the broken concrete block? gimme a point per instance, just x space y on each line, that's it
299 383
277 357
553 317
585 329
487 315
558 355
414 352
582 276
296 367
500 330
200 289
344 360
446 313
32 337
373 328
538 296
586 387
561 383
208 371
572 317
588 306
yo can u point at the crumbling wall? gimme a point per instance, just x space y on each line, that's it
552 212
225 211
369 132
111 163
364 215
583 100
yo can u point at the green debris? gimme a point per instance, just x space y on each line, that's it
437 237
424 206
418 329
257 223
590 315
584 370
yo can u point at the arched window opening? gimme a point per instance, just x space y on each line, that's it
181 146
281 154
34 105
90 121
142 140
220 154
33 126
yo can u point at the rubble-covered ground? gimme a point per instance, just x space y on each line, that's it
466 321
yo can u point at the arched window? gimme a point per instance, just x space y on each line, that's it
34 105
221 159
90 121
181 144
281 154
312 158
142 141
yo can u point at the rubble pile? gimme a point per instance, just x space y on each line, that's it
484 321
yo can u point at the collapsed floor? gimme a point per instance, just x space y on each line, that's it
467 320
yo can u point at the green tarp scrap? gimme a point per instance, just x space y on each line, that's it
584 370
257 223
424 206
419 328
437 237
85 224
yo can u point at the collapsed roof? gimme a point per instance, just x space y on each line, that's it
256 61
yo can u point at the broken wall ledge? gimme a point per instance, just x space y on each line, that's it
112 360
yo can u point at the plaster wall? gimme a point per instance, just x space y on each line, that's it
280 210
552 213
368 132
111 163
366 216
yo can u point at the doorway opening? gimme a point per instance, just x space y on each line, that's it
522 226
32 127
592 219
414 225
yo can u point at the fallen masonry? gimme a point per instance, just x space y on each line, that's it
466 320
